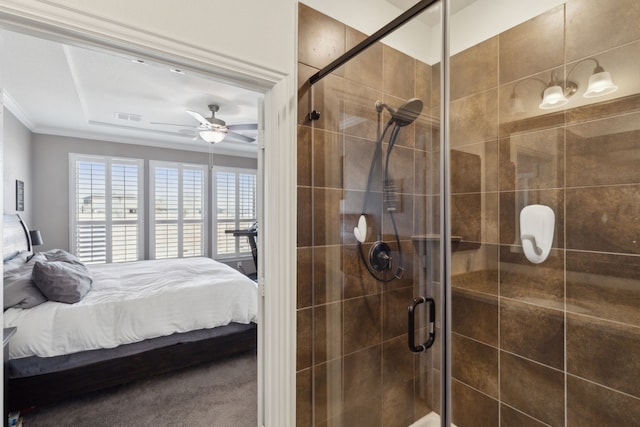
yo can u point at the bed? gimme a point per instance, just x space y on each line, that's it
135 320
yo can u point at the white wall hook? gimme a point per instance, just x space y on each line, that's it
360 232
537 224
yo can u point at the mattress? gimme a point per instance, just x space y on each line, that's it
136 301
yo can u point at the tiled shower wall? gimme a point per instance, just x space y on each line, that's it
556 343
353 366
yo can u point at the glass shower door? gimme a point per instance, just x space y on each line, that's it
368 225
545 192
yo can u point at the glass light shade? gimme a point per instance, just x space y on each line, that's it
212 136
516 106
553 98
600 84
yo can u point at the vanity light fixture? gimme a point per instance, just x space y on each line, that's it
600 83
557 92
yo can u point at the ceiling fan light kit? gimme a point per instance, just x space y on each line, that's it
214 130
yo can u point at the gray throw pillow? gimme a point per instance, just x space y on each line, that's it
62 281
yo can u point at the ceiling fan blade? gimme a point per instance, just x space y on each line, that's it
246 126
171 124
199 117
238 137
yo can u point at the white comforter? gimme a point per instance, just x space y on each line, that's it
130 302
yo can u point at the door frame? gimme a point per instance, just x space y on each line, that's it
276 168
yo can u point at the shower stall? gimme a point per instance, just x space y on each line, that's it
468 245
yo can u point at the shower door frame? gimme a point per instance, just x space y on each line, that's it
444 176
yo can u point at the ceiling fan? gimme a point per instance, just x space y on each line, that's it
215 130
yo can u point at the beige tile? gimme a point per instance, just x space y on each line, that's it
423 82
401 173
540 284
604 219
474 119
589 405
397 405
398 73
363 378
304 284
606 286
532 161
532 332
328 399
327 274
475 364
472 408
366 67
359 154
304 217
509 417
610 24
328 159
304 155
357 280
362 322
474 69
304 399
304 339
394 309
475 315
604 152
483 278
541 38
601 110
327 332
610 359
533 389
321 39
466 216
466 170
326 217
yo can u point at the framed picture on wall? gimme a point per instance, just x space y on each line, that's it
19 195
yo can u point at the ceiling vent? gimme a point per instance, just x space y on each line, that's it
130 117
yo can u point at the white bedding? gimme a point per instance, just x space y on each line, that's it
130 302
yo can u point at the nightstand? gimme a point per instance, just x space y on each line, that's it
8 333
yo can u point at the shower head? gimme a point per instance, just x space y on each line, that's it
408 112
405 114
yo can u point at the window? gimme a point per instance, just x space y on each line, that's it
106 208
234 192
178 200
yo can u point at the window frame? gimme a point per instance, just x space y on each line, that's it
108 221
153 164
237 255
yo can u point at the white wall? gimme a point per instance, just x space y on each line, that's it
17 152
50 165
259 32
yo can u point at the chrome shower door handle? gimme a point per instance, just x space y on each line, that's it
412 322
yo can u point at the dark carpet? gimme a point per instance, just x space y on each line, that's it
220 394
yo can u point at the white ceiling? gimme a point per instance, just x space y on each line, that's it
71 91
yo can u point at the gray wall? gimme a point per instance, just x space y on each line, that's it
50 161
17 153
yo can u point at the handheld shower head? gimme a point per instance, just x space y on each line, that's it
408 112
405 114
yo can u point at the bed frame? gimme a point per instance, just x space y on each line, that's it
26 392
